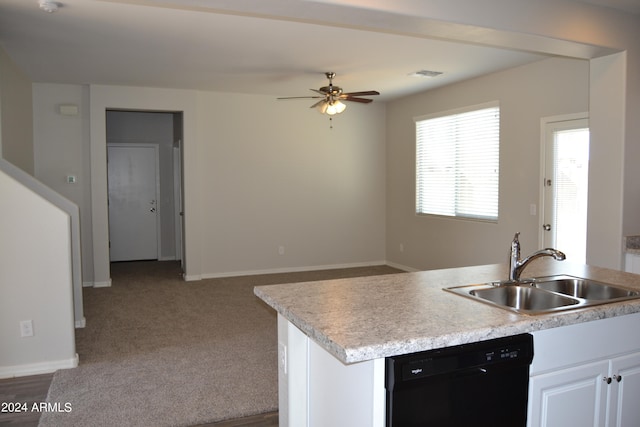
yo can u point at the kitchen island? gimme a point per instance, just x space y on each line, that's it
334 335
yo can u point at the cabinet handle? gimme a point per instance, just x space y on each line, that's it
617 377
607 379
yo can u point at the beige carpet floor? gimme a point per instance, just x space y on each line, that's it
158 351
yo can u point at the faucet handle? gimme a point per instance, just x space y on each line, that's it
515 245
515 248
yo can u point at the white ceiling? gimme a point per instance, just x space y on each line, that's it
274 47
628 6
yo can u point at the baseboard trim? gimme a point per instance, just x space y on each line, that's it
38 368
402 267
81 323
282 270
106 284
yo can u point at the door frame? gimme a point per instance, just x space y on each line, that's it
544 124
156 150
177 202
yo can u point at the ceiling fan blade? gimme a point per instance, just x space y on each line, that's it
365 93
317 104
352 99
301 97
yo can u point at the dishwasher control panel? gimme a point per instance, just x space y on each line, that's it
502 354
466 356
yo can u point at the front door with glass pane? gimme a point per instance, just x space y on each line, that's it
566 173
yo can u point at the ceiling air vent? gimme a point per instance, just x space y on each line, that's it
425 73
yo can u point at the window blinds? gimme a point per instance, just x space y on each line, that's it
457 163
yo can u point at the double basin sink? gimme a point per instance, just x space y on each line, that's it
545 294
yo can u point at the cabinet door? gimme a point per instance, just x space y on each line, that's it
569 397
625 410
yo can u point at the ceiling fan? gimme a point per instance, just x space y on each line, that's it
331 97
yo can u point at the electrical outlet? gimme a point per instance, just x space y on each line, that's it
26 328
280 250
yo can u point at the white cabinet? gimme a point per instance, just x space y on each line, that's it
632 263
569 397
602 393
623 403
586 375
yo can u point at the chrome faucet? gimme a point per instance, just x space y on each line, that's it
516 265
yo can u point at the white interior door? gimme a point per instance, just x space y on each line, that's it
133 201
565 187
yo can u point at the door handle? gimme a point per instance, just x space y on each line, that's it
546 227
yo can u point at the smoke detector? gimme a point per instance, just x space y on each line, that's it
48 5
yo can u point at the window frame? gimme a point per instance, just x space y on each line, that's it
456 214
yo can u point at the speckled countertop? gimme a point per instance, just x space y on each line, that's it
367 318
632 245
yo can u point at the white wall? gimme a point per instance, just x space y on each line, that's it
35 249
260 174
16 133
61 149
275 174
631 216
607 163
608 38
526 94
35 283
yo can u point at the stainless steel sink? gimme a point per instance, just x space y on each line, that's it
545 294
581 288
525 298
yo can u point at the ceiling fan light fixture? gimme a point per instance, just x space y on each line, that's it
335 107
331 97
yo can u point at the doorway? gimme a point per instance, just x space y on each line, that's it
565 185
144 176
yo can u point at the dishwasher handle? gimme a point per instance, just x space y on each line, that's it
469 373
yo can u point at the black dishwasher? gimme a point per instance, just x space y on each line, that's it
483 384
